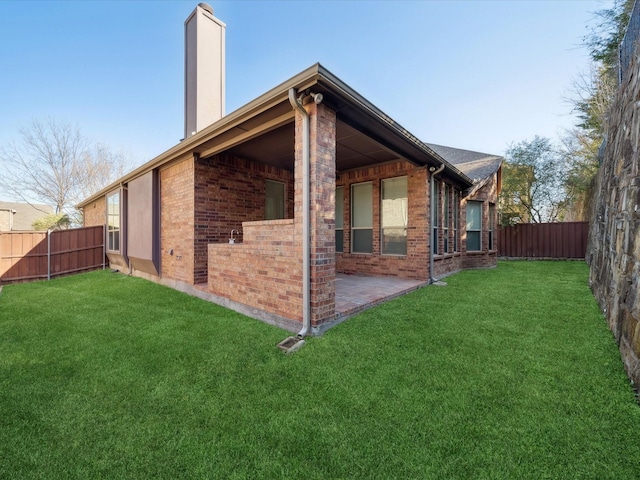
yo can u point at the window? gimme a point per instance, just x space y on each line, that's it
474 226
362 218
456 220
274 206
447 218
395 216
113 222
339 219
492 225
435 205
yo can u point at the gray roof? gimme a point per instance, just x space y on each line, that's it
26 213
476 165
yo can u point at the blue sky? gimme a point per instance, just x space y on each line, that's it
478 75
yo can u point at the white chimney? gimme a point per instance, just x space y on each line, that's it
203 69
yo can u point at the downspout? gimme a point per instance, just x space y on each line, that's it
433 171
306 251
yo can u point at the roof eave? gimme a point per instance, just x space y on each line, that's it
277 94
414 149
422 153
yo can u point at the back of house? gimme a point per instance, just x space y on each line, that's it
261 209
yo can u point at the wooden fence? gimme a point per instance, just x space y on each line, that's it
544 240
28 256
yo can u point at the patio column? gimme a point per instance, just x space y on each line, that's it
322 179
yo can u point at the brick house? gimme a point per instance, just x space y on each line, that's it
261 209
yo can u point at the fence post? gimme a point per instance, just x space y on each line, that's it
104 245
48 254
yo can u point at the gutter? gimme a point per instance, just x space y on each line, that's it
433 171
333 83
306 250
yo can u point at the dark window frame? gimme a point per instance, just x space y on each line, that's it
339 230
435 230
492 225
447 217
456 220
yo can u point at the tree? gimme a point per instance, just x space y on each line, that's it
580 150
591 95
532 183
56 165
52 221
605 37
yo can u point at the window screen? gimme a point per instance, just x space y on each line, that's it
395 216
362 218
474 226
113 222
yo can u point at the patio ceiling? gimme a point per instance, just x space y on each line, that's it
354 149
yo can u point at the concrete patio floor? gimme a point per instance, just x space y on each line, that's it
355 293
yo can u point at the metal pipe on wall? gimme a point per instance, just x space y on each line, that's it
306 250
433 171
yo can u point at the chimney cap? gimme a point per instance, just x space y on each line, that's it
207 7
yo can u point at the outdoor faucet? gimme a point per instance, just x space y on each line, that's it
233 240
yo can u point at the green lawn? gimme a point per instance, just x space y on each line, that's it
504 373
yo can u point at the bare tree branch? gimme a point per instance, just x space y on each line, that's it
533 183
55 164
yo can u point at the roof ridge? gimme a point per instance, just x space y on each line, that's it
465 150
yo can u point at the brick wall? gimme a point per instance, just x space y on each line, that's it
447 264
450 262
322 179
95 213
177 220
228 192
265 271
485 258
415 264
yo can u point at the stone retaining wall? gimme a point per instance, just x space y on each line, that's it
613 252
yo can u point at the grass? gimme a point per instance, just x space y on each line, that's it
504 373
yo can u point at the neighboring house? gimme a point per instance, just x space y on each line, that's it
516 194
20 216
262 208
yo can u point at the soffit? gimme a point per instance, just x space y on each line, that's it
354 149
